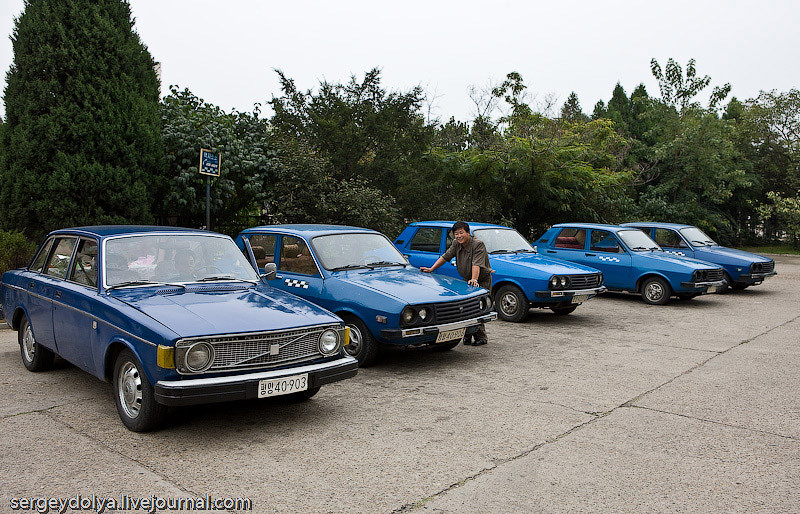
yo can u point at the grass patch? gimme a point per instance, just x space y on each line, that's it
779 249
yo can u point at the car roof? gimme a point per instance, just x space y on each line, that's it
308 230
656 224
117 230
449 224
604 226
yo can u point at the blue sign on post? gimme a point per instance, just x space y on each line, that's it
210 162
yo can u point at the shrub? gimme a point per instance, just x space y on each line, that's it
15 251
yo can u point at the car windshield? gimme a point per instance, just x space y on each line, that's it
637 240
502 240
173 258
697 237
353 250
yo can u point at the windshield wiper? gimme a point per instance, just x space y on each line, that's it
348 266
133 283
385 263
501 251
524 250
701 243
637 248
212 278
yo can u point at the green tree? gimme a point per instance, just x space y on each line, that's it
82 141
571 110
678 91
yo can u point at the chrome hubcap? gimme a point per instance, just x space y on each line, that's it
129 389
355 341
509 304
654 291
29 344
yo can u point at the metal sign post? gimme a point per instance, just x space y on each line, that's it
210 166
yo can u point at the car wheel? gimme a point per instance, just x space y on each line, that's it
728 282
656 291
563 311
443 347
362 345
298 397
511 303
133 394
35 357
687 296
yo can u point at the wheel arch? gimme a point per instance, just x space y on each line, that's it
112 352
651 274
508 282
16 318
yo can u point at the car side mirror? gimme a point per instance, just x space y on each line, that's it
536 249
270 270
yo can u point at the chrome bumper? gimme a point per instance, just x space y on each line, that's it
435 329
558 295
703 285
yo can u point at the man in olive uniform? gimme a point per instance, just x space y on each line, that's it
472 263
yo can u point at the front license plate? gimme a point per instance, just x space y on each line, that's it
580 298
285 385
449 335
712 289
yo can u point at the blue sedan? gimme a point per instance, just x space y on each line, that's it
358 274
170 317
742 269
632 262
522 279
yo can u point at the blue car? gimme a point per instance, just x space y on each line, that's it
522 278
358 274
170 317
742 269
631 262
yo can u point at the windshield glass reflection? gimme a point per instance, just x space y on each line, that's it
637 240
350 251
501 240
697 237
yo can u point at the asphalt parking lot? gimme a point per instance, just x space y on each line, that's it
620 406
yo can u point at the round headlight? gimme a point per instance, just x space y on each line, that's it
328 342
564 281
407 315
554 282
199 357
423 314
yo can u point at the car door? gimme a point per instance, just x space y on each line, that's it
569 244
424 247
263 248
75 299
39 306
298 272
672 242
607 254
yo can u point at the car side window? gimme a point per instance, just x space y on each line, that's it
263 246
38 262
58 264
604 241
669 239
85 269
572 238
296 257
427 239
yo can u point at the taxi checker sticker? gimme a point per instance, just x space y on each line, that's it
609 259
302 284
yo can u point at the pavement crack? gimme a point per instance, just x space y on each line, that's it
45 409
721 423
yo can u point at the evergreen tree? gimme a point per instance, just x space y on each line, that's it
619 109
571 111
82 142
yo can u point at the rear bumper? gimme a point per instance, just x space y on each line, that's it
242 387
703 287
433 331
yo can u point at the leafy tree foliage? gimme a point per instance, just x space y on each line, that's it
571 110
82 143
678 91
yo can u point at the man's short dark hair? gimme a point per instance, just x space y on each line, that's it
460 224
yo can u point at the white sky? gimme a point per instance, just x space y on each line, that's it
225 51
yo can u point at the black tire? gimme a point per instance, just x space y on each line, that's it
133 395
738 286
302 396
511 303
35 357
656 291
726 286
443 347
563 311
687 296
362 345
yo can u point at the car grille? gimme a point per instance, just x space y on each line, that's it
264 349
584 281
712 275
763 267
457 311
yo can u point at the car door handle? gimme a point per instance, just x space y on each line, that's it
591 254
551 251
58 294
32 285
278 276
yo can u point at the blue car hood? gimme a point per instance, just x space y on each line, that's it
529 263
409 285
676 259
200 313
732 253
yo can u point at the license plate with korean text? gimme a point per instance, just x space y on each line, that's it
285 385
580 298
449 335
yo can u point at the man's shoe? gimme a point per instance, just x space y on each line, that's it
468 341
478 342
